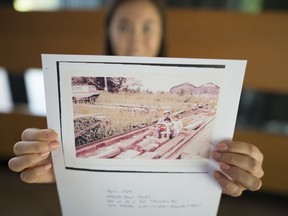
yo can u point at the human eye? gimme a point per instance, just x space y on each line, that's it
124 27
147 28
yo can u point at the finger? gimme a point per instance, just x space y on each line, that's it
32 147
240 148
32 134
20 163
241 177
36 174
228 186
245 162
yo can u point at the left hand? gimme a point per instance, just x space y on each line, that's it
240 165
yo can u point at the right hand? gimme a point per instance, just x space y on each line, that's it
33 158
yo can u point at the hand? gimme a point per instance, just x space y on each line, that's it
241 167
33 158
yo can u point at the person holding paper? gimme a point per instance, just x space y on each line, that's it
137 28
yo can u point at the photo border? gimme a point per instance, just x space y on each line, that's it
231 82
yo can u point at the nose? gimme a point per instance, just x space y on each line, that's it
136 44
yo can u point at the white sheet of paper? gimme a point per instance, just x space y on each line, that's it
95 184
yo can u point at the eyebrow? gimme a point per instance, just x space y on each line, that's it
124 20
149 21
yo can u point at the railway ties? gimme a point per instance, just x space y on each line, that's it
113 147
144 143
168 146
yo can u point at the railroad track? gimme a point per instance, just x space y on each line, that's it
144 143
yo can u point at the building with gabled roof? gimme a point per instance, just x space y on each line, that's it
188 88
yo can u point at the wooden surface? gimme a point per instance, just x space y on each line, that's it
260 38
12 125
275 150
24 36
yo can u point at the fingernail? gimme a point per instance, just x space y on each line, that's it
47 166
217 175
224 166
51 135
53 145
256 185
44 155
217 155
222 146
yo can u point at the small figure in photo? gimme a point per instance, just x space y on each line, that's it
177 126
162 124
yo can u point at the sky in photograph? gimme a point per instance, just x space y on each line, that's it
160 82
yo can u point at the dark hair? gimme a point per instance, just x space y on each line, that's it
114 5
167 119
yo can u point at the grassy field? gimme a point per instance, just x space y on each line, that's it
133 110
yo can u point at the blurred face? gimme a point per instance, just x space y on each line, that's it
136 29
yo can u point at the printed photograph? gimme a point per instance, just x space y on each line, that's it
130 118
